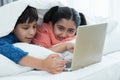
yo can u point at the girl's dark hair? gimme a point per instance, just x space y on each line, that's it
29 14
57 13
83 19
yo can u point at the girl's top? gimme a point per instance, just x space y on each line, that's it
45 36
7 49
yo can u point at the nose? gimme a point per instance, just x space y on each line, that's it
64 34
32 31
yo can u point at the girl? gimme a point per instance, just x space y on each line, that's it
58 28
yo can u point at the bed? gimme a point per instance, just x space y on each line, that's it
107 69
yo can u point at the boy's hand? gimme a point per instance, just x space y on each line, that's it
52 65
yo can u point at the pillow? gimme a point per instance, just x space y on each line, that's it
14 68
112 23
34 50
112 42
9 18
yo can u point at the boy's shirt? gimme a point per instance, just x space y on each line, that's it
7 49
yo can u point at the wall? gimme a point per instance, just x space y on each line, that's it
115 9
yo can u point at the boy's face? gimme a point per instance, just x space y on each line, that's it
64 29
25 31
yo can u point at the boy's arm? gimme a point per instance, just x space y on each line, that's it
49 64
11 52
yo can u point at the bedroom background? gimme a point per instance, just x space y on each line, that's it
103 9
95 12
3 2
108 69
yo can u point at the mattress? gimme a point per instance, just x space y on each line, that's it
107 69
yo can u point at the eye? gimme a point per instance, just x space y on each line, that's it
25 27
71 31
61 28
35 26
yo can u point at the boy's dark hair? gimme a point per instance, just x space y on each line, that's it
29 14
57 13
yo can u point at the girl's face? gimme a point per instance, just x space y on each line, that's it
25 31
64 29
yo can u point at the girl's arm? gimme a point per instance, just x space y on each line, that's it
61 47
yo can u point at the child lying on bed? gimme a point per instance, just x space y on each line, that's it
58 28
24 31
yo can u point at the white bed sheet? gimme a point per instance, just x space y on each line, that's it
107 69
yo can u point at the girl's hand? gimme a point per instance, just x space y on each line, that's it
70 47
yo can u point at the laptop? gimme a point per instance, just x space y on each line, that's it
89 46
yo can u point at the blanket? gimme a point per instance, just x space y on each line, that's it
9 14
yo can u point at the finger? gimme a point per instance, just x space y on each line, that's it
52 56
56 55
62 63
57 70
60 69
71 50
